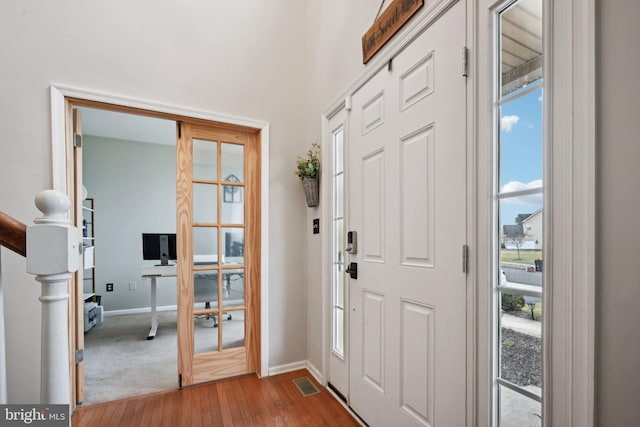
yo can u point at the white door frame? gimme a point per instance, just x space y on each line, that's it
58 95
569 384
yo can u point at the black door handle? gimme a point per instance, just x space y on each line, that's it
352 270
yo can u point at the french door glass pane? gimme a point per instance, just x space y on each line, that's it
233 288
232 162
205 290
205 159
233 205
205 333
205 245
232 324
205 203
233 245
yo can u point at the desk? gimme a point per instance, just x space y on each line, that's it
200 295
153 273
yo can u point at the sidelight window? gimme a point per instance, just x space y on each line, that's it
338 288
518 240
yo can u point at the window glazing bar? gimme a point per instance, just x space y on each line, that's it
520 193
518 389
526 290
532 88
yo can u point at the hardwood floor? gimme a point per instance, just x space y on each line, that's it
244 401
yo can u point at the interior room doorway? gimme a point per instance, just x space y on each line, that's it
128 182
254 161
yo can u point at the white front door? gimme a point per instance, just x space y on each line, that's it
407 194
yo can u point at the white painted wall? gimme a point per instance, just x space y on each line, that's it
223 56
618 206
134 190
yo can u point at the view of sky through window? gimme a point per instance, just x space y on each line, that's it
521 154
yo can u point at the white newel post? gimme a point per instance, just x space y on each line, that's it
53 246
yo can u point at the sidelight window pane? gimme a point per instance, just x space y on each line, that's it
338 239
518 213
520 346
521 143
520 43
518 410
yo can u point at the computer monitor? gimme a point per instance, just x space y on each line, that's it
159 246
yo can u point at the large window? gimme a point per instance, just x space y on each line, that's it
518 214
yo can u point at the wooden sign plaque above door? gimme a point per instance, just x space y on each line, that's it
386 25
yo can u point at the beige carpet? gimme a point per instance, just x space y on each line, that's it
120 362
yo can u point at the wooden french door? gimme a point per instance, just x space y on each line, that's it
218 241
76 296
407 204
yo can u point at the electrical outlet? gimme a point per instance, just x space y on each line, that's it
132 286
109 287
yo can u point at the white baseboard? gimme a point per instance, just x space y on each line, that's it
316 373
139 310
296 366
289 367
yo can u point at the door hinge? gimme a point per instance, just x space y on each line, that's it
465 62
77 140
179 130
465 259
180 381
79 355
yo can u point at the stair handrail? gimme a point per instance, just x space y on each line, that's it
13 234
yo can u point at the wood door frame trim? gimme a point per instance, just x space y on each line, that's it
60 95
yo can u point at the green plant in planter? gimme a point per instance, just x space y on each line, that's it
309 165
308 171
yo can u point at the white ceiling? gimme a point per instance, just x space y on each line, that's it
109 124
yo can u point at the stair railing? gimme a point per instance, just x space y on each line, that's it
52 248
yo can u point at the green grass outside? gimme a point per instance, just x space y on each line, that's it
526 257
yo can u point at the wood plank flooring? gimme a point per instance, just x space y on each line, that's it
244 401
